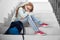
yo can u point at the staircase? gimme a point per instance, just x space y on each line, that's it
45 15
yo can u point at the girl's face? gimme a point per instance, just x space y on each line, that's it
28 8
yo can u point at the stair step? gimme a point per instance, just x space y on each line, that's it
29 31
29 37
49 30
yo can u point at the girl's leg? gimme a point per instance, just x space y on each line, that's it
35 28
32 24
36 20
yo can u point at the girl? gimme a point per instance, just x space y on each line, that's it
24 14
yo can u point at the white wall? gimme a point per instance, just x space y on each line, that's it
43 7
5 7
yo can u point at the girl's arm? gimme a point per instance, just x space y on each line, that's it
22 13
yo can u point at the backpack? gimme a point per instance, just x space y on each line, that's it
15 28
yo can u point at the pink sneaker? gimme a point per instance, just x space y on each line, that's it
44 25
40 32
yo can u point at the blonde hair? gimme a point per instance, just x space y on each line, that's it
29 3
